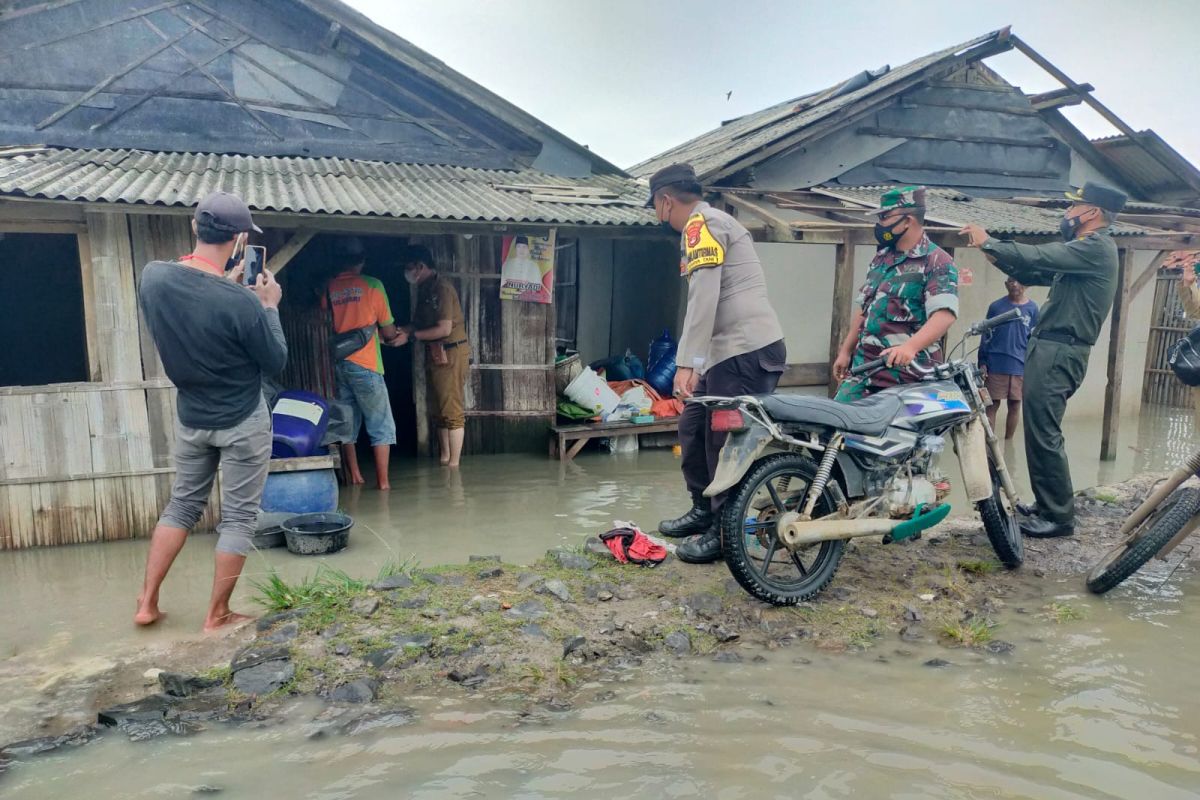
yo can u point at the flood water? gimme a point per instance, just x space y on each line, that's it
1108 706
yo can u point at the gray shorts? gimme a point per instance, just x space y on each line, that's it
243 454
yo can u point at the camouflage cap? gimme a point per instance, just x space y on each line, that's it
900 197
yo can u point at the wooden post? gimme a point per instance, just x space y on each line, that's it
285 254
843 292
1116 358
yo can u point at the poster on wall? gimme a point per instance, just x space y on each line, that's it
527 268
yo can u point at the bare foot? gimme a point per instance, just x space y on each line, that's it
452 464
357 479
383 487
231 619
147 613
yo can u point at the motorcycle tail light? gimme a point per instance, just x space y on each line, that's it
728 420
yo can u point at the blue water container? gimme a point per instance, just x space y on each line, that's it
298 422
305 492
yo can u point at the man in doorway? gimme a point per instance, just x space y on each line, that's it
360 301
906 305
1081 272
732 343
1002 355
438 322
217 340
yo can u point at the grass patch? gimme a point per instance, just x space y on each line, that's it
397 566
1063 613
1106 497
981 566
327 589
970 633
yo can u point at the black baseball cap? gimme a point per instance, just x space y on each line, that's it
226 212
669 176
1095 194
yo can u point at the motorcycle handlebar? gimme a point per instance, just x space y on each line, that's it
1003 319
868 366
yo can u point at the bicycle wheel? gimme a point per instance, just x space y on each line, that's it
1153 534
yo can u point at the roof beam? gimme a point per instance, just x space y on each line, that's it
285 254
106 24
51 5
1060 97
1148 273
1096 105
780 229
1044 141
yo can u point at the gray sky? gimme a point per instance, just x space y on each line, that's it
631 78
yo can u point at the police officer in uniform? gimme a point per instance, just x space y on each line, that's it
731 345
1082 275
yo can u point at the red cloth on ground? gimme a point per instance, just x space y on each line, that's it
630 545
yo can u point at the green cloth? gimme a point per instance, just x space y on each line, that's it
1053 372
571 410
1082 276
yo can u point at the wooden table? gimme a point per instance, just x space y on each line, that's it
567 440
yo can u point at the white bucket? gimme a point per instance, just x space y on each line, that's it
590 391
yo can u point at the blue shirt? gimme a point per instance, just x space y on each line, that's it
1003 348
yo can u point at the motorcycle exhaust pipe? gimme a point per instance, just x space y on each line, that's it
797 533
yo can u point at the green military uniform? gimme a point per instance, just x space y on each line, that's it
1082 276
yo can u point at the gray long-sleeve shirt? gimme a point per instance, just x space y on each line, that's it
215 339
1081 274
728 312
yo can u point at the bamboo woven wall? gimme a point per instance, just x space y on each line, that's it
1167 325
87 462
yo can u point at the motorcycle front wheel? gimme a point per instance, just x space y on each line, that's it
1001 525
752 548
1151 536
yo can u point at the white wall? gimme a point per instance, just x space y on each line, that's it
800 280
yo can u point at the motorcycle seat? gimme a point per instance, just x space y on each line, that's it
869 416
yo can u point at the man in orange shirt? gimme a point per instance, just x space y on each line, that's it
359 301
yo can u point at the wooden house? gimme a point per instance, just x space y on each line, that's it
117 116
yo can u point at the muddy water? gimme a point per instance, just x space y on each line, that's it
1108 706
1105 707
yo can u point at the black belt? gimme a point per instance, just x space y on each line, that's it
1062 338
454 345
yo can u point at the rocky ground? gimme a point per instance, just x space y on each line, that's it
531 634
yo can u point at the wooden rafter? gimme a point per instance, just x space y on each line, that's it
99 27
1148 273
779 226
50 5
1059 97
120 112
111 79
207 73
285 254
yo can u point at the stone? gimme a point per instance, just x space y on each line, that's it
569 560
360 691
557 588
532 610
557 704
208 706
999 647
476 559
491 572
869 613
727 657
626 591
391 582
271 620
151 675
432 577
483 604
911 633
604 595
759 659
679 643
911 614
573 644
284 633
434 613
598 548
379 658
416 601
207 789
413 641
177 685
840 593
264 677
926 598
802 662
705 603
533 630
635 644
364 606
46 744
937 663
723 634
456 580
527 580
386 720
257 654
342 649
148 709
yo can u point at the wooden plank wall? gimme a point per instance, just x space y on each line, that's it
1168 324
92 461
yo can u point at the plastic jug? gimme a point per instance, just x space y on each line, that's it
660 347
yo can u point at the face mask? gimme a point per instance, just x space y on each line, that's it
1068 228
886 235
411 277
665 224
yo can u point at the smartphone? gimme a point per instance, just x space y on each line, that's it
256 259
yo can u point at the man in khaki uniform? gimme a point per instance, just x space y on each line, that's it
438 321
731 345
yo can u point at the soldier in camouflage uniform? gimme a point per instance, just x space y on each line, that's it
906 305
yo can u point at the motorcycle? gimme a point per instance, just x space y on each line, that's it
805 474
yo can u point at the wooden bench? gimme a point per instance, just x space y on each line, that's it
567 440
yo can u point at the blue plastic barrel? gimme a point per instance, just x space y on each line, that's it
306 492
298 422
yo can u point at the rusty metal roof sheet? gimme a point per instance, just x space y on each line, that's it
324 186
951 207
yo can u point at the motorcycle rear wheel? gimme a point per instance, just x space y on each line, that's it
1152 535
752 546
1001 525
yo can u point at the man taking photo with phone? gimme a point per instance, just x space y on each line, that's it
217 340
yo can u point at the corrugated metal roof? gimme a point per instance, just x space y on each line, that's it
950 207
711 151
1142 162
320 186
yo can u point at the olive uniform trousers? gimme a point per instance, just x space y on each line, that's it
1053 372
